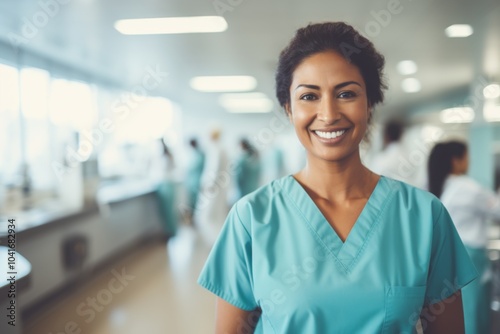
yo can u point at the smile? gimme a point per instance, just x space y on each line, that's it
330 135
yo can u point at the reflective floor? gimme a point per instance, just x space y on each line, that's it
153 290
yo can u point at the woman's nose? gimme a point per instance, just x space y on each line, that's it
328 112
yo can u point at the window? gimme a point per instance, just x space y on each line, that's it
51 126
131 148
36 131
10 129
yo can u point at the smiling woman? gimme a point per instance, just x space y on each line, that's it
336 248
338 89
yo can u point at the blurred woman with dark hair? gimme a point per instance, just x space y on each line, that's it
470 206
247 169
166 192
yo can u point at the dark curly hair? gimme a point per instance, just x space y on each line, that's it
341 38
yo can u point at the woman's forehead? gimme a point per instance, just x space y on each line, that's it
326 65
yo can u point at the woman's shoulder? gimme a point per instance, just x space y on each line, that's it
262 195
412 196
262 200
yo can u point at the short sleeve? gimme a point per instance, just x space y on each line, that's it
228 270
450 266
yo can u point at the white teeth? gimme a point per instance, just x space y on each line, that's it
330 135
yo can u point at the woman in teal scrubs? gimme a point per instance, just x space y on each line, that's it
193 176
167 194
336 248
247 171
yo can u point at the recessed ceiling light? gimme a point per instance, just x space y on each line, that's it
407 67
491 91
171 25
457 115
411 85
491 112
246 103
236 83
459 30
431 133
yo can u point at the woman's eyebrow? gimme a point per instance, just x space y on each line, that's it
340 85
307 86
347 83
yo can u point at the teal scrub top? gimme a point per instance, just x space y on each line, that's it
195 169
193 176
247 173
277 252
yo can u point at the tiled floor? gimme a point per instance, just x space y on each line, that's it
157 293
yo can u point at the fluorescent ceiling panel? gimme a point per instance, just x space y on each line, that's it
246 103
224 84
459 30
407 67
491 112
491 91
457 115
171 25
411 85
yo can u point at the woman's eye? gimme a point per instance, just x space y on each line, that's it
308 97
346 95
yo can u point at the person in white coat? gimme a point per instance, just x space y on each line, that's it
471 207
393 160
212 204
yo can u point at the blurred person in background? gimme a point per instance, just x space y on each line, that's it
273 165
388 161
166 191
193 176
470 206
247 169
212 203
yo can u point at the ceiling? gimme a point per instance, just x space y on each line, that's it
80 33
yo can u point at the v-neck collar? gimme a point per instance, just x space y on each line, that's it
345 252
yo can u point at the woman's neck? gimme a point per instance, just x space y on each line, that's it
338 181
